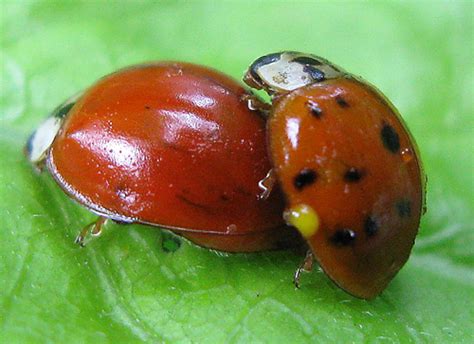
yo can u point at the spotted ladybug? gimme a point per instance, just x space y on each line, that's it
348 166
166 144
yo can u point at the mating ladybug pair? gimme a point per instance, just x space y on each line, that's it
187 148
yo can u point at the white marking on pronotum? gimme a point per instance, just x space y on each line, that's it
40 141
286 74
42 138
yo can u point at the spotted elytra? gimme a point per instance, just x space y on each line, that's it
339 150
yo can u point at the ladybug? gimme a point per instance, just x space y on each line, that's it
348 166
167 144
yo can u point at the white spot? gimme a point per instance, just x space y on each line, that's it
292 130
42 138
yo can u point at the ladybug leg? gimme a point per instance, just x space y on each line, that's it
266 185
39 166
305 266
94 228
255 104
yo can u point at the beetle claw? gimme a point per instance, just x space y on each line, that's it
94 229
266 185
79 240
256 104
305 266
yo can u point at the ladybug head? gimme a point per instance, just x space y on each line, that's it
288 70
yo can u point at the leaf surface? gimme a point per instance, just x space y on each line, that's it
128 286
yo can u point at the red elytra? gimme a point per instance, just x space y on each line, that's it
349 168
173 145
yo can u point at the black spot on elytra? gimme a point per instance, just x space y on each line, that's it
353 175
370 226
224 197
147 107
315 73
63 111
343 237
304 178
314 108
262 61
341 101
403 208
390 138
306 60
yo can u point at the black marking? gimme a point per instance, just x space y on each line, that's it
29 144
315 73
370 226
403 208
262 61
316 111
64 110
304 178
343 237
170 243
224 197
147 107
306 60
390 138
353 175
341 101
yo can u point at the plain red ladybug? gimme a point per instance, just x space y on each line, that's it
169 144
349 168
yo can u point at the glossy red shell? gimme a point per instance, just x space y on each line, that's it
175 145
341 148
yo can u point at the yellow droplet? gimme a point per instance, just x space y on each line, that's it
303 218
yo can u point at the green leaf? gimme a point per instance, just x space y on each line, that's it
138 283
